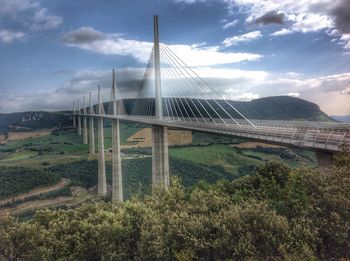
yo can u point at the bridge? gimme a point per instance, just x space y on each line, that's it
172 95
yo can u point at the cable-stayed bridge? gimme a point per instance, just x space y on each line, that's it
172 95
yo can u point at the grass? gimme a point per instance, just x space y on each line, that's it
219 154
209 158
233 159
21 155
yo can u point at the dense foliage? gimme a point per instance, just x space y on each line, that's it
276 214
15 180
137 174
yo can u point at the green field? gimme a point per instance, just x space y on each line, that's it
209 158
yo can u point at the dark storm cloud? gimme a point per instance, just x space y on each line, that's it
82 35
271 17
341 14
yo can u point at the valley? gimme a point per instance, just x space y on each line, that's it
59 154
43 163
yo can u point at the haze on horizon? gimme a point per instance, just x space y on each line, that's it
55 51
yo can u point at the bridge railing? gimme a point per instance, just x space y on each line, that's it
327 136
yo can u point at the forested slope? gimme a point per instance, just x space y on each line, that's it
276 214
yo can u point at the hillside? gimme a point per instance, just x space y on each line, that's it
269 108
24 121
281 108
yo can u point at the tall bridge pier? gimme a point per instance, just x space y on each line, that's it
160 156
102 185
85 133
91 130
160 152
79 119
117 178
74 117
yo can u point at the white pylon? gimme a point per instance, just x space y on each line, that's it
79 119
117 183
91 129
85 132
102 185
74 117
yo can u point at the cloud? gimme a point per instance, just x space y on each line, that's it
271 17
305 23
25 17
331 92
284 31
230 24
43 21
345 40
83 35
7 36
87 38
342 16
194 55
231 74
13 7
327 91
293 94
192 1
79 85
242 38
236 95
302 16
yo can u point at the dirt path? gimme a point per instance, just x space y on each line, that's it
79 195
37 191
48 203
36 204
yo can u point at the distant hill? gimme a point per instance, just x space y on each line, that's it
343 118
282 108
269 108
22 121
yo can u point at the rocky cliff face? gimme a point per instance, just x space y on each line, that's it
32 116
24 121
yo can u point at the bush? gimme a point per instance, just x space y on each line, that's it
16 180
277 214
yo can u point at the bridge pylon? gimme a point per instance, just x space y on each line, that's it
160 152
85 132
91 129
79 119
102 185
74 117
117 178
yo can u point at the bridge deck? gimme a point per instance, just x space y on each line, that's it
327 136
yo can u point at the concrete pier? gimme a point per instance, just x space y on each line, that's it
160 156
102 185
79 120
91 130
74 117
85 131
117 179
160 151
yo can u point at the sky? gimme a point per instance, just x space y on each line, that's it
54 52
